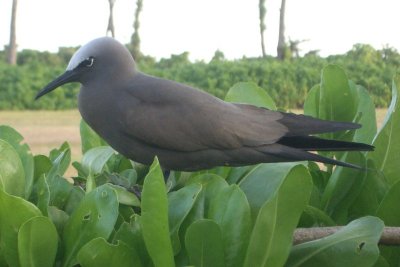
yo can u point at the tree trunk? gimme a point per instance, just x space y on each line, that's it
110 27
281 41
135 40
12 47
262 11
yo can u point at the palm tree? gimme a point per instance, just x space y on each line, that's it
281 41
135 39
110 27
12 47
262 11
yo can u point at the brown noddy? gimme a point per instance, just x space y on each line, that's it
142 116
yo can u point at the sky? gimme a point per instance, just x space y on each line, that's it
204 26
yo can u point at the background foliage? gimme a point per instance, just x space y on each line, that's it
225 216
287 82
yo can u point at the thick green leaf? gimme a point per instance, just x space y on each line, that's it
58 217
262 182
231 211
61 158
313 216
41 194
343 187
250 93
354 245
95 217
335 93
204 244
60 189
42 165
386 142
155 217
272 234
15 139
366 114
125 197
311 104
89 138
12 176
95 159
237 173
179 205
98 253
389 212
14 211
131 234
74 199
37 243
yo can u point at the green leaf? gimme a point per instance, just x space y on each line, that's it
89 138
95 159
179 205
14 211
131 234
14 139
98 253
155 217
343 187
387 142
366 113
61 158
353 245
41 194
262 182
204 244
390 214
388 210
312 102
277 219
250 93
58 217
12 177
37 243
95 217
335 93
60 189
231 211
125 197
42 165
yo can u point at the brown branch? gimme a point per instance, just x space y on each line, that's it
389 237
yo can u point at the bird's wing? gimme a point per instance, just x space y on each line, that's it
173 116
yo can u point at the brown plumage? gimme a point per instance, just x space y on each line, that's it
142 116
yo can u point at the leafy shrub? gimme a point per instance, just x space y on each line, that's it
242 216
286 81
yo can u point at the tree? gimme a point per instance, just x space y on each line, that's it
135 39
110 27
262 11
281 40
12 47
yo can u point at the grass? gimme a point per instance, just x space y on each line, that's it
45 130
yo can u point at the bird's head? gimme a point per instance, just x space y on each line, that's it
101 59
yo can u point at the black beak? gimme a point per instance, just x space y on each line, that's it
66 77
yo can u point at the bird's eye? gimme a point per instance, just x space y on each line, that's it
88 62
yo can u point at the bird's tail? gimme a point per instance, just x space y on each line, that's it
297 148
312 143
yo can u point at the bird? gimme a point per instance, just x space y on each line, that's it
142 116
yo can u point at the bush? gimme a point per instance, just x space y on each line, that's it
286 81
242 216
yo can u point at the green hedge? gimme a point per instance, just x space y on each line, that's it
286 81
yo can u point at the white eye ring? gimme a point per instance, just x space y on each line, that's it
91 59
